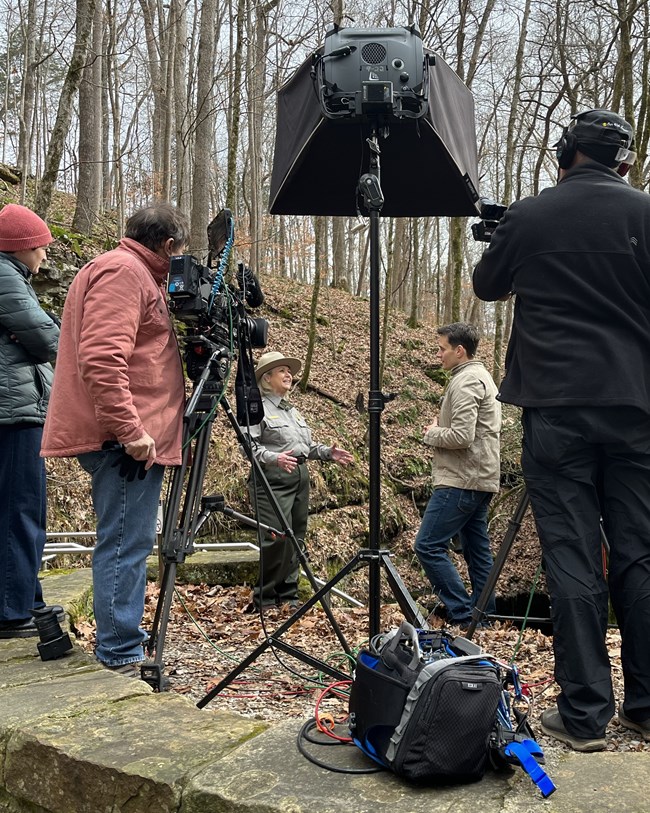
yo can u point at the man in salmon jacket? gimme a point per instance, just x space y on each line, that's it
117 405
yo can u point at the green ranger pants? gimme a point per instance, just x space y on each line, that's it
279 564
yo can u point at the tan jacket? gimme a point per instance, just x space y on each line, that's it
467 437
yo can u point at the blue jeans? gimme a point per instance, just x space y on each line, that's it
126 531
456 511
22 521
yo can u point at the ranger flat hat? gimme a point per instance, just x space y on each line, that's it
273 359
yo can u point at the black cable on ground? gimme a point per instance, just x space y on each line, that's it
304 734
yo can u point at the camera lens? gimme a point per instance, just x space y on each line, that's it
54 642
47 625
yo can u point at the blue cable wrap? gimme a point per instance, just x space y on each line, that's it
523 751
223 264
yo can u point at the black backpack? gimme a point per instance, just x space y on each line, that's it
436 717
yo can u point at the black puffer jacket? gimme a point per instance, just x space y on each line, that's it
28 342
578 258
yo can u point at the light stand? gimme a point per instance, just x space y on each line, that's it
354 86
370 190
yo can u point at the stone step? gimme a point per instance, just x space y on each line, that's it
228 567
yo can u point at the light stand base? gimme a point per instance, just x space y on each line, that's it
370 557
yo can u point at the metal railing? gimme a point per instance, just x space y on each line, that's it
53 549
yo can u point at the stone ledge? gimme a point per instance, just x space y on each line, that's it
75 738
228 567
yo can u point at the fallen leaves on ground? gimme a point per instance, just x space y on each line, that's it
209 635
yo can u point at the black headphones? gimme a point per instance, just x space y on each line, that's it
566 148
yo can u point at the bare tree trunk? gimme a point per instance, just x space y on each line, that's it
457 235
339 271
235 107
320 239
204 129
107 192
89 188
27 98
282 269
415 276
157 40
501 332
258 55
364 263
181 104
85 13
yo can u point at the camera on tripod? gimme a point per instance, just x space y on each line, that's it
491 213
215 311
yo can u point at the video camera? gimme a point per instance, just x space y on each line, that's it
214 310
491 213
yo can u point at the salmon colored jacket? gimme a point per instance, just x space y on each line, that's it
119 372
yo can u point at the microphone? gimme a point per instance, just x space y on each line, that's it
344 50
250 286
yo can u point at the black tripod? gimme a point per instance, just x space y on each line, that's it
514 524
184 517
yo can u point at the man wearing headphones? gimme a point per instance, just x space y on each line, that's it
577 257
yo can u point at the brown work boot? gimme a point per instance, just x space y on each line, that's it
551 723
642 727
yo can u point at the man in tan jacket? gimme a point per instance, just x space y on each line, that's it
465 474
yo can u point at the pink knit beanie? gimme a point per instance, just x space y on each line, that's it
21 229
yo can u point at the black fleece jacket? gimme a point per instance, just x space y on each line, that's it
577 257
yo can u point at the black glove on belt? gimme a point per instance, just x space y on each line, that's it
129 466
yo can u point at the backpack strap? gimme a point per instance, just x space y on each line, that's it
523 751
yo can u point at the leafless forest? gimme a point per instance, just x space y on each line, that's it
119 102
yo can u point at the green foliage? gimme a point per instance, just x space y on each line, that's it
322 320
438 375
82 608
72 239
349 485
413 466
412 344
287 311
407 417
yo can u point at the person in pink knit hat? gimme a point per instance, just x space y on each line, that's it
28 343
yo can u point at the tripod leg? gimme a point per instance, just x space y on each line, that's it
152 672
178 539
408 607
514 524
274 638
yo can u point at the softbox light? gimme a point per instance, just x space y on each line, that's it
429 163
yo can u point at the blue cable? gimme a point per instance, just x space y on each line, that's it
223 264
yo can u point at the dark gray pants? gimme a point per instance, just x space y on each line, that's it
279 565
581 464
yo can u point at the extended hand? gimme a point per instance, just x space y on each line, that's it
341 457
